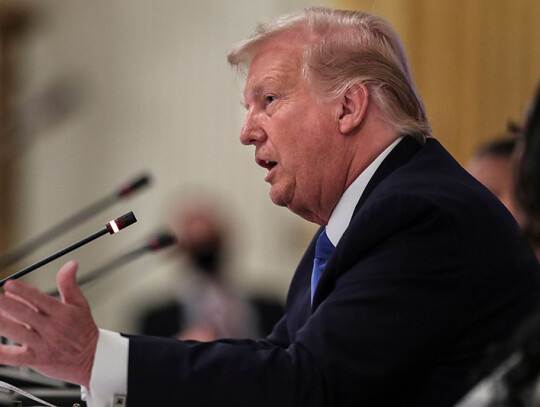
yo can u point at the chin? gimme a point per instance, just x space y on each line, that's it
278 200
287 202
279 197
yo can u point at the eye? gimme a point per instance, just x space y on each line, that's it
268 99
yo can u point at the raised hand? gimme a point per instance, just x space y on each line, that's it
57 338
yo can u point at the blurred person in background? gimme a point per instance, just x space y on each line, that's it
493 164
206 306
512 374
528 174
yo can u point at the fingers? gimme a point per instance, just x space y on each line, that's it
58 339
21 300
67 285
13 355
31 296
18 311
17 333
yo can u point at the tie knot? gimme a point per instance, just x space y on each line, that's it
324 247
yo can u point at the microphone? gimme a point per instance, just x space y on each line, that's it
28 247
160 241
114 226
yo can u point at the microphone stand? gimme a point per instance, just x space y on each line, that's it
28 247
112 227
160 242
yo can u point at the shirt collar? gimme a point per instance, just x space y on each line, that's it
342 214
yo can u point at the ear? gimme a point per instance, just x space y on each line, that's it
353 107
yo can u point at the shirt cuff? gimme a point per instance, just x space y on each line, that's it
109 372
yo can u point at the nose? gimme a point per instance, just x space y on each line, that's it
252 131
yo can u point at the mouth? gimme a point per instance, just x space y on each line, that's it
266 164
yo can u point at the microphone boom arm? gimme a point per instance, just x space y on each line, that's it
111 228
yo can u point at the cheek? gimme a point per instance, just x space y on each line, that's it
301 138
308 170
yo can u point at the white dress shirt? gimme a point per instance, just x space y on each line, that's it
343 212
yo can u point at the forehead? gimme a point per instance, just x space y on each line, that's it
277 64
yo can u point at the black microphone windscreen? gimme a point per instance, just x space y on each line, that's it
120 223
137 183
161 241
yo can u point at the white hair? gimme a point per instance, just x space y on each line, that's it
344 48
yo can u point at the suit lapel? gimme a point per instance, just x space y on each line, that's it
399 156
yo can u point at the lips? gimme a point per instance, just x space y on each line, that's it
266 163
270 166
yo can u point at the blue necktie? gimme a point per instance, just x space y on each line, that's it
323 251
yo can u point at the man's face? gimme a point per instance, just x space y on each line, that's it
295 135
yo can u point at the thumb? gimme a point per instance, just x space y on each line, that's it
67 285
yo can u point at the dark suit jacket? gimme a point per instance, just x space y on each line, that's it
431 270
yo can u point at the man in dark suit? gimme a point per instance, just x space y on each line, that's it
416 269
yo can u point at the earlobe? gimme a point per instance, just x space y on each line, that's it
353 107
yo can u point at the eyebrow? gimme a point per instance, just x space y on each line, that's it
257 90
253 93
